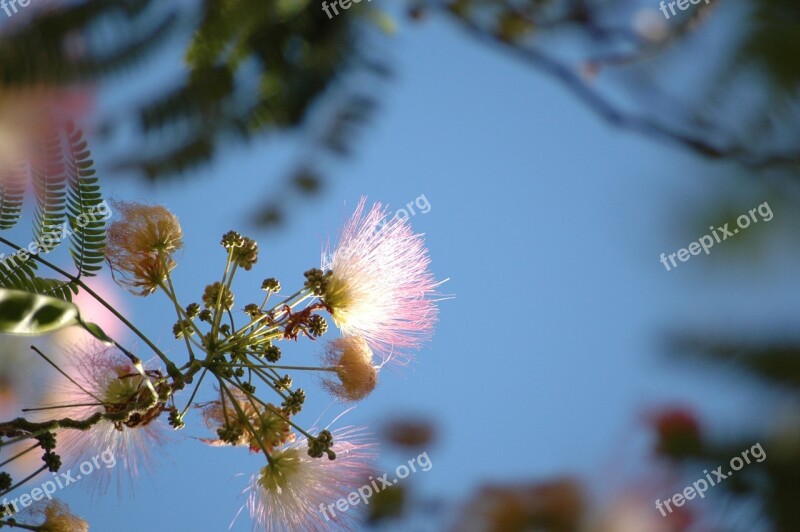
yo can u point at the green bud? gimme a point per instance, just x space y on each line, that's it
231 240
271 285
253 310
52 461
192 310
284 383
316 281
317 325
211 294
294 403
246 255
272 353
175 419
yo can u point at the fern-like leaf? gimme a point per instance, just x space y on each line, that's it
12 195
49 183
46 287
14 272
84 210
68 202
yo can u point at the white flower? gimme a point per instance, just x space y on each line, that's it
379 285
292 492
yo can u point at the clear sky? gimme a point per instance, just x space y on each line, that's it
549 225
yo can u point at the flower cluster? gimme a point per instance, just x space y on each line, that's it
104 382
375 285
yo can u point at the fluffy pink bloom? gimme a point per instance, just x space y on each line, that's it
380 286
104 375
293 493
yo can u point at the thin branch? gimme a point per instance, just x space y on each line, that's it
172 370
21 453
603 107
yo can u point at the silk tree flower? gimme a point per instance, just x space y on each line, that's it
272 429
141 244
292 492
57 518
105 376
378 284
352 358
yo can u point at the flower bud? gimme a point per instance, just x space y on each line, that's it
141 244
352 358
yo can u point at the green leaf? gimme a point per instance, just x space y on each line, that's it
22 313
97 332
84 203
12 195
49 183
31 314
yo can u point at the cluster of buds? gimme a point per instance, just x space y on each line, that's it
248 424
376 287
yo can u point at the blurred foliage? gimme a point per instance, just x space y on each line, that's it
777 364
773 42
640 49
253 67
555 506
69 207
772 485
387 505
410 433
250 67
54 47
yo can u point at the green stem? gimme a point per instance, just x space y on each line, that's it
194 392
222 285
268 366
229 345
257 321
258 331
170 366
275 411
244 418
169 290
269 380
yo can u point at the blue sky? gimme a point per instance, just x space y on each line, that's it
549 225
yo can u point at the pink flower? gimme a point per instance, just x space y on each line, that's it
378 284
294 491
105 376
